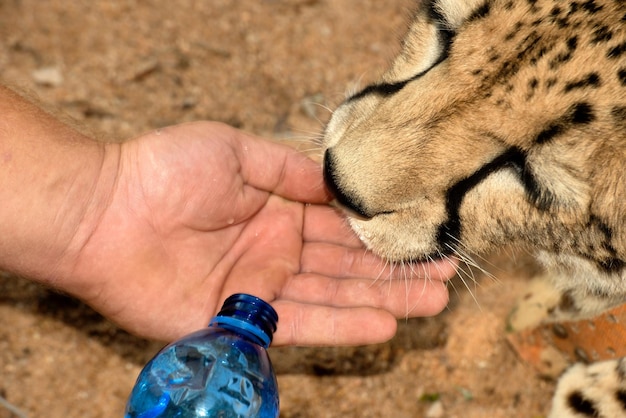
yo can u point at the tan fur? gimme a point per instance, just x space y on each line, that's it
400 154
542 78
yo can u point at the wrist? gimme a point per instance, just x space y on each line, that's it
53 183
93 201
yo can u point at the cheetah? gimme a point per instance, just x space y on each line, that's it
500 122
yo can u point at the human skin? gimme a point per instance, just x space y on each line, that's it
156 231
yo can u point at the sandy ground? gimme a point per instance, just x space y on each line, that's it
271 67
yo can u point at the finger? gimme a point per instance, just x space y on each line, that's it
280 169
312 325
401 298
326 224
339 261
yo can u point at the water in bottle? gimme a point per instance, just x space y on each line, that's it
221 371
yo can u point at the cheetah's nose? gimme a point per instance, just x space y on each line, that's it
347 201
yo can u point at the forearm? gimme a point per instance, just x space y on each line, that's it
54 182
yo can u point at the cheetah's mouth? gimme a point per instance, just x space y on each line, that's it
444 251
385 231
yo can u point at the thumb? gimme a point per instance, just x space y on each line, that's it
277 168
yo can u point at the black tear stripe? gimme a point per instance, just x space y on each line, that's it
381 89
449 232
612 265
578 114
446 36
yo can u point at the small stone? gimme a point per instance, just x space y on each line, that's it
48 76
435 410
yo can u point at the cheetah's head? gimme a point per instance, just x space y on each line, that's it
498 122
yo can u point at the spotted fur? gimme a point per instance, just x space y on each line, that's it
499 122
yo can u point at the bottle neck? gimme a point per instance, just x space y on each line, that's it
249 316
250 332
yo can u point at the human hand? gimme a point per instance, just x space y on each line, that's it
201 211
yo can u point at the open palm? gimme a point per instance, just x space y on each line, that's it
201 211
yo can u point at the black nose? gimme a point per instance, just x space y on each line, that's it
349 202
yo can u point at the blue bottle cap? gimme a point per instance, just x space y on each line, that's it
249 314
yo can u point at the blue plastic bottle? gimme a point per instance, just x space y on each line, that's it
222 371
